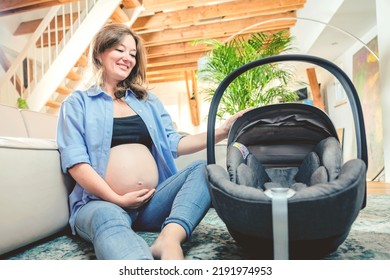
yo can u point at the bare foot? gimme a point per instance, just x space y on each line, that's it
168 245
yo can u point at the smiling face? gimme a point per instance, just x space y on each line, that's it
118 61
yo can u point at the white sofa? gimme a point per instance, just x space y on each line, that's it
33 190
26 123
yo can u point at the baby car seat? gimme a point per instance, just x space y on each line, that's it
286 192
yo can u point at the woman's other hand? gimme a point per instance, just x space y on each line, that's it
223 130
197 142
136 199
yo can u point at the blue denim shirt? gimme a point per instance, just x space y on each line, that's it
85 131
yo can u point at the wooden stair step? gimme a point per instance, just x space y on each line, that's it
53 104
74 76
130 4
64 90
83 61
119 16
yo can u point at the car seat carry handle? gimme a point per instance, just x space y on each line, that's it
344 80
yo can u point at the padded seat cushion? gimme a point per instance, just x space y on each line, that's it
322 165
244 168
330 155
234 158
252 173
309 164
319 176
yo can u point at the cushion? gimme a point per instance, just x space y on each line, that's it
253 174
298 186
233 160
259 170
319 176
246 176
244 168
329 152
309 164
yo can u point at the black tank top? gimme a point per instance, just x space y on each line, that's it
131 129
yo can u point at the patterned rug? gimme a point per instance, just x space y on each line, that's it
369 239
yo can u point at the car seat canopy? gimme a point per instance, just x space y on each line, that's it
282 134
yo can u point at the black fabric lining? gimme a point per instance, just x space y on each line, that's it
130 129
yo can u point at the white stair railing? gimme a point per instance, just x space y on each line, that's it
14 83
50 54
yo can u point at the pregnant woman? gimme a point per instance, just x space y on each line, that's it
118 143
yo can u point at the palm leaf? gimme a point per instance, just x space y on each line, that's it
257 87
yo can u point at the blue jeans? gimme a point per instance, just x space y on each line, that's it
183 199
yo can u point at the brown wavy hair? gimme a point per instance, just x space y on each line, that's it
110 36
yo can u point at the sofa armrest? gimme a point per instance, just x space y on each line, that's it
33 192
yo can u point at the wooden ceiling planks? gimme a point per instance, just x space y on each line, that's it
168 27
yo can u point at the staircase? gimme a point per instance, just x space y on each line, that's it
53 62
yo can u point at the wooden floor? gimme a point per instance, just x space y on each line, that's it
378 188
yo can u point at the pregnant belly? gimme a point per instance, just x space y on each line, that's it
131 167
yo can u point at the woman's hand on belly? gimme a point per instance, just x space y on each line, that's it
131 167
135 199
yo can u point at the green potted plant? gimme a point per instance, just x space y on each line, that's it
22 103
257 87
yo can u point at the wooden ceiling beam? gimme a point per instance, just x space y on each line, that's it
17 4
218 29
215 13
8 7
169 27
167 76
266 29
184 47
166 79
172 68
154 6
175 19
176 59
175 48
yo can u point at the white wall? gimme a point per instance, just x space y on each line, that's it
383 19
341 114
174 97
